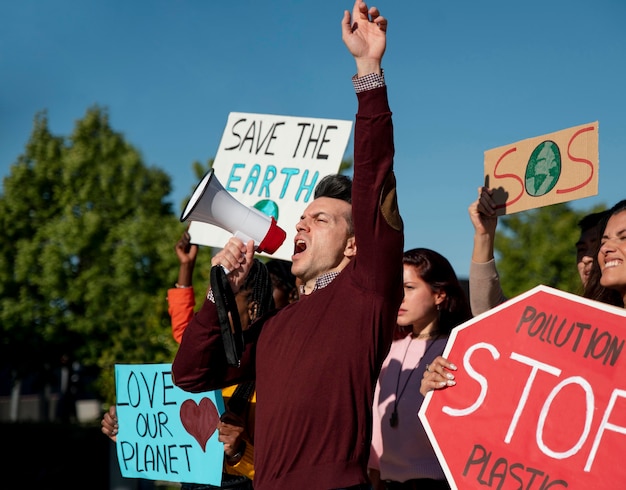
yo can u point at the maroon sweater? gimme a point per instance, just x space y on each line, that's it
316 361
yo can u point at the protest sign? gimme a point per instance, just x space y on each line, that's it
273 163
164 432
540 399
549 169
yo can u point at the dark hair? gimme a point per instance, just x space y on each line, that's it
260 285
617 208
592 220
435 270
282 278
336 186
593 289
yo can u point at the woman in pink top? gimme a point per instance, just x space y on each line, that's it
401 455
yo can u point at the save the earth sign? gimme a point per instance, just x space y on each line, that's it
273 163
164 432
540 399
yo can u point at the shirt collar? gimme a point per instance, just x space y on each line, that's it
322 281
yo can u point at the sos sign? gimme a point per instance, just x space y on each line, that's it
540 399
549 169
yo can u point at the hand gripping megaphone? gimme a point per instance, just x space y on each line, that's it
211 203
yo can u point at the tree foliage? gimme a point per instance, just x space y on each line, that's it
538 247
86 253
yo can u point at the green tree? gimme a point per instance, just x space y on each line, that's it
86 253
538 247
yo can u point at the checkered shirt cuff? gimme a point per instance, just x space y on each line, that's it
368 82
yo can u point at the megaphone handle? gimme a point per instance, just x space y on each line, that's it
227 312
244 239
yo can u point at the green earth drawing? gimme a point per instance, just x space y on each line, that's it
543 169
269 207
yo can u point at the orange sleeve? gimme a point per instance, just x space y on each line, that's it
181 303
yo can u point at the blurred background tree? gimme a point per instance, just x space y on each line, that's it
86 254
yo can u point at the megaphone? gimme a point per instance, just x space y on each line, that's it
211 203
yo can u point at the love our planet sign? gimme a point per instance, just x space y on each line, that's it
166 433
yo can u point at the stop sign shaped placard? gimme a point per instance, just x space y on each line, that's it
540 399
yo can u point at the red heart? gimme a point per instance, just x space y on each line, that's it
199 420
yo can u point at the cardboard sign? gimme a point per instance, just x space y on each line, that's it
540 400
166 433
273 163
548 169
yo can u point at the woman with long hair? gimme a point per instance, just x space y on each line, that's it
401 455
607 279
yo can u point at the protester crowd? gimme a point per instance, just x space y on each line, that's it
339 367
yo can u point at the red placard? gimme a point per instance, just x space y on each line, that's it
540 400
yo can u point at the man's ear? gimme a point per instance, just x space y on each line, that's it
350 250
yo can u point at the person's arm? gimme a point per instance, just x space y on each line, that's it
244 465
180 299
238 452
200 363
187 253
484 281
378 227
484 219
180 306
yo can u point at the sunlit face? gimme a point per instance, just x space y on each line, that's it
585 251
323 240
419 306
612 255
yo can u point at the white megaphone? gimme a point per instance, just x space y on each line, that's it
211 203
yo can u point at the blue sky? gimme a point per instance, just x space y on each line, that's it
464 77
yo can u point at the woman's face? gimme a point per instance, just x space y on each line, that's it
419 306
612 255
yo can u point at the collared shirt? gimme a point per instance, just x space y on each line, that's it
322 281
368 82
